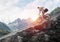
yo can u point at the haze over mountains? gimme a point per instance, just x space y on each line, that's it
48 34
19 24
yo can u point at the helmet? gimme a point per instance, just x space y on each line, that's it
45 10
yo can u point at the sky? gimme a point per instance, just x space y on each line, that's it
23 9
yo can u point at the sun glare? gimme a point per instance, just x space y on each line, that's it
34 18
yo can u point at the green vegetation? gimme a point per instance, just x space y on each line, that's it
3 32
4 29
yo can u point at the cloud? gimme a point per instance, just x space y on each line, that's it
31 8
9 10
23 3
50 4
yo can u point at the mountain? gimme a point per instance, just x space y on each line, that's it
49 34
4 29
3 26
56 11
19 24
29 35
